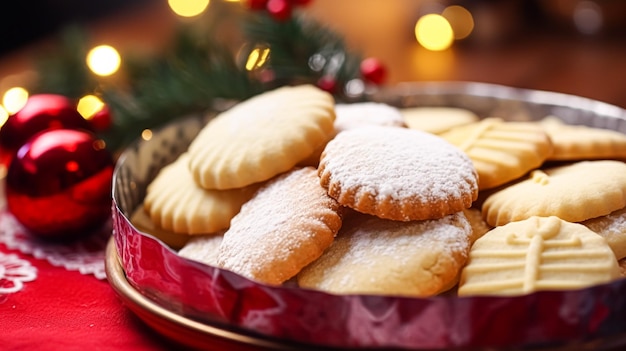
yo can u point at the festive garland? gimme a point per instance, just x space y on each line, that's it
195 70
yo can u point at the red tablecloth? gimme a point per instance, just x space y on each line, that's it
47 303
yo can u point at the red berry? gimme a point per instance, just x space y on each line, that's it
373 70
327 83
280 10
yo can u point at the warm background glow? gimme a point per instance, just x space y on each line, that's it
14 99
434 32
103 60
89 105
460 20
188 8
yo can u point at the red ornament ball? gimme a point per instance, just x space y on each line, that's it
58 185
280 10
102 119
41 112
373 71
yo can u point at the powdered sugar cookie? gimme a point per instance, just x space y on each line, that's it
203 249
261 137
287 224
437 120
539 253
397 173
611 227
574 192
176 203
377 256
478 224
501 151
359 114
578 142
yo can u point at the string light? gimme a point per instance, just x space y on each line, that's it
460 20
146 134
257 58
103 60
89 105
188 8
434 32
14 99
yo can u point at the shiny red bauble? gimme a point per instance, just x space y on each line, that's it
373 70
41 112
58 185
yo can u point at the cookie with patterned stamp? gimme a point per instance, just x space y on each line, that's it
397 173
539 253
174 202
261 137
502 151
574 192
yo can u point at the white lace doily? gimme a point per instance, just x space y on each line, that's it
83 255
14 272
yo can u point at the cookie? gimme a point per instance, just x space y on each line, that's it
478 224
141 220
574 192
377 256
611 227
287 224
397 173
202 248
261 137
539 253
501 151
437 120
176 203
579 142
358 114
355 115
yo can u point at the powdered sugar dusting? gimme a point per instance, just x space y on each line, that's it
398 163
286 225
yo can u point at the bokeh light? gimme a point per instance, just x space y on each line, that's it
89 105
434 32
257 58
103 60
146 134
14 99
188 8
460 20
4 115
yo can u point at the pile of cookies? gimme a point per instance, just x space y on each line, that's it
290 187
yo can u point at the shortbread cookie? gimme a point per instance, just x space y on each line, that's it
287 225
437 120
377 256
478 224
539 253
176 203
355 115
501 151
203 248
141 220
579 142
613 228
574 192
261 137
397 173
360 114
